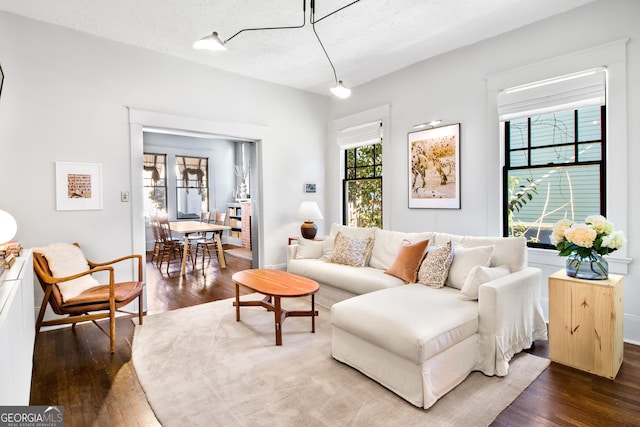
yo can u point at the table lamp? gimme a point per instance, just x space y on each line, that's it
308 211
8 227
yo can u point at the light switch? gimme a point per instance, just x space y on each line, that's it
124 196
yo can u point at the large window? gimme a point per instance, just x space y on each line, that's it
155 183
554 169
192 186
363 185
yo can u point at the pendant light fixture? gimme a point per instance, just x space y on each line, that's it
213 42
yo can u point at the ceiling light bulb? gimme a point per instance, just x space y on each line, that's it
341 90
210 42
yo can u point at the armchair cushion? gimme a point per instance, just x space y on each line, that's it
66 259
125 291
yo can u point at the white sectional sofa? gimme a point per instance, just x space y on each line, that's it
417 340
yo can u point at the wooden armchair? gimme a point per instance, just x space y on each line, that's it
93 303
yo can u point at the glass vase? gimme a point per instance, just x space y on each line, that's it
591 267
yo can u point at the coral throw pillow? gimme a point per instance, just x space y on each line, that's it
408 260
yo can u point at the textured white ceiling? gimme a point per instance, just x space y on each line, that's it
366 40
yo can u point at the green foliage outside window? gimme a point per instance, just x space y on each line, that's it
363 186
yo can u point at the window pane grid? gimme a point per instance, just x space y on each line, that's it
363 186
154 177
363 162
192 186
553 169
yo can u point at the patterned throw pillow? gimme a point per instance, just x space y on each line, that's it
409 257
351 250
435 267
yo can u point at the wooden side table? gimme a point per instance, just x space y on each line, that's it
585 323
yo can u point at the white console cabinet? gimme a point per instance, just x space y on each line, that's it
17 331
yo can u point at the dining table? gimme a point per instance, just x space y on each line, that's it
189 227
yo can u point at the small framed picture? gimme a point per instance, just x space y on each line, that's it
78 186
309 188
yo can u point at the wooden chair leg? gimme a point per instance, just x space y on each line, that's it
43 308
112 330
140 308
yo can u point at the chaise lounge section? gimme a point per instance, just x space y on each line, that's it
421 341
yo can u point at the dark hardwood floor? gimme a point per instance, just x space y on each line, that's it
75 369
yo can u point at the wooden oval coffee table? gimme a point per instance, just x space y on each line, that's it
276 284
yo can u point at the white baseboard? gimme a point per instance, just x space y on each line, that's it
631 329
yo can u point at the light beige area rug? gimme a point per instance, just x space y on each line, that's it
199 367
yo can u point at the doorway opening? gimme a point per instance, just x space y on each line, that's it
191 137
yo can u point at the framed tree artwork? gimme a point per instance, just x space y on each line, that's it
434 168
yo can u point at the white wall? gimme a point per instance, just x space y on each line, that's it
66 94
65 98
454 88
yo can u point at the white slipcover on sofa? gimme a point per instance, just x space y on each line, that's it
420 341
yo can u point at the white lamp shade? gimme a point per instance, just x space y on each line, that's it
8 227
309 211
210 42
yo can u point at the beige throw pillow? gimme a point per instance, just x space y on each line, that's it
327 247
464 259
479 275
409 257
435 267
352 251
308 249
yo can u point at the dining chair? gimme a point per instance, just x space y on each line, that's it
209 242
66 277
157 240
172 248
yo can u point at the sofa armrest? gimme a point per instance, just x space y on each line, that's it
291 252
510 318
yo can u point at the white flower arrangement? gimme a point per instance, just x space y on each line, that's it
595 235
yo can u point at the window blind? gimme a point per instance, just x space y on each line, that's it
363 134
568 92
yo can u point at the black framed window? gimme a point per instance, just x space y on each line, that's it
155 183
362 186
192 186
555 168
